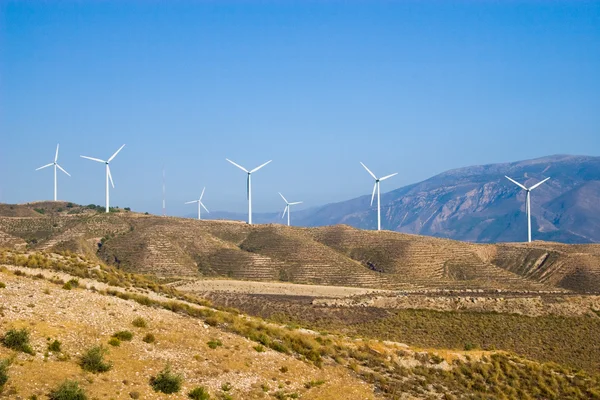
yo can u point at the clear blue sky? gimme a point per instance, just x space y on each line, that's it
317 86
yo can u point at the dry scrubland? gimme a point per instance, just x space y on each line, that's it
478 321
83 304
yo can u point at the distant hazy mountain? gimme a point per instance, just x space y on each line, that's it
479 204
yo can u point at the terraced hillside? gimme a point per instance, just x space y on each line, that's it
142 340
336 255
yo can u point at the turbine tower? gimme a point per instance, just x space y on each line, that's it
199 201
287 207
528 202
55 163
108 175
249 185
376 188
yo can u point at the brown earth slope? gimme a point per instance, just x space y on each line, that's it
336 255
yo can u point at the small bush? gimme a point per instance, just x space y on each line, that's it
139 322
93 360
226 387
54 346
166 381
3 372
134 395
125 336
199 393
68 390
17 340
2 285
259 348
214 343
114 342
149 338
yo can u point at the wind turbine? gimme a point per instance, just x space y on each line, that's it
55 163
199 201
249 185
528 202
376 187
287 207
108 175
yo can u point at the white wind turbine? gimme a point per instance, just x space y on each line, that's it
55 163
528 202
249 185
108 175
287 207
376 187
199 201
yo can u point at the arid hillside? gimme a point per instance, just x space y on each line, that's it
337 255
72 328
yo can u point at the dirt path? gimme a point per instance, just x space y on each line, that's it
272 288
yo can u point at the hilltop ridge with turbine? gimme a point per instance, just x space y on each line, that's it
478 204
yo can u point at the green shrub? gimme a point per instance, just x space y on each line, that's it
3 372
114 342
166 381
139 322
149 338
226 387
259 348
17 340
199 393
214 343
54 346
2 285
93 360
68 390
123 335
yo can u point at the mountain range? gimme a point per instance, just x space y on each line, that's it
477 204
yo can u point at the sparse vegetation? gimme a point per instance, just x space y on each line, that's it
68 390
214 343
54 346
139 322
113 341
125 336
17 339
166 381
149 338
93 360
199 393
3 372
2 285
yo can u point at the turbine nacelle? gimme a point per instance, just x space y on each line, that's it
55 165
377 189
527 201
108 174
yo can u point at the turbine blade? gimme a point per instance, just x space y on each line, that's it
388 176
56 155
284 199
47 165
237 165
61 168
368 170
296 202
285 210
260 166
94 159
190 202
202 204
116 152
538 184
515 182
110 176
373 195
202 194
